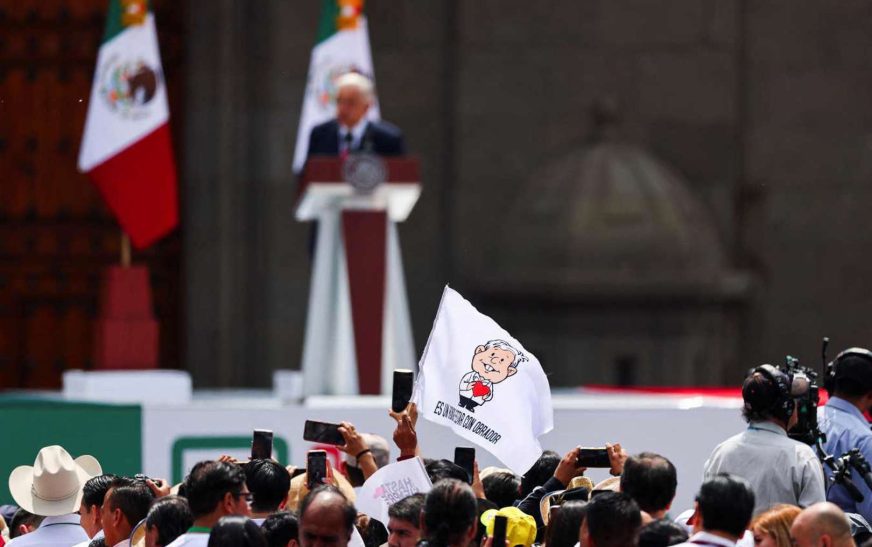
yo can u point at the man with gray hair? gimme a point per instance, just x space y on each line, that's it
351 131
821 524
492 363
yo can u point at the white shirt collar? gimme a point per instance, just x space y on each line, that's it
71 518
705 537
356 131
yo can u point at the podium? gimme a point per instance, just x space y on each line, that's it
357 326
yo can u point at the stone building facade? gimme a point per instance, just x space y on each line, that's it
744 138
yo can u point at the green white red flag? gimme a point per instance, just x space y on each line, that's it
126 147
342 45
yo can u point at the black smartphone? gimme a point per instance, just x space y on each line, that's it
322 432
261 444
499 535
403 381
316 468
593 457
465 458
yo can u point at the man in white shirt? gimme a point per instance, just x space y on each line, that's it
52 488
126 503
723 511
779 469
214 489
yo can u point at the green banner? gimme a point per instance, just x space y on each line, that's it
110 433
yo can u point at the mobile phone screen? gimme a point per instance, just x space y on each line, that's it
593 457
322 432
465 458
316 468
261 444
499 531
402 392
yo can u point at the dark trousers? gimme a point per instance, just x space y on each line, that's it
467 403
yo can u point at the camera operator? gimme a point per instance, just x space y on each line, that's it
780 469
849 382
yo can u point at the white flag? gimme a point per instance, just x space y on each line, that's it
389 485
479 381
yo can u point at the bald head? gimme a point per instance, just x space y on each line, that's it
326 518
822 524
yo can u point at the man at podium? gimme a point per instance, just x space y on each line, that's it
351 132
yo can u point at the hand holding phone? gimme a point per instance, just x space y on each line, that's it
499 535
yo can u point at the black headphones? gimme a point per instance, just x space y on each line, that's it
783 405
833 366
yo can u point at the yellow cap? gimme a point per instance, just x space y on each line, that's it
520 527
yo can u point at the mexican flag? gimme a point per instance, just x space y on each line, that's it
126 148
342 46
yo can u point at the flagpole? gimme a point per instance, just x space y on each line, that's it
125 250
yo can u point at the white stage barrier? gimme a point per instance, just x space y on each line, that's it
684 429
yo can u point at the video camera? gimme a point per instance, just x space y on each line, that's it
804 390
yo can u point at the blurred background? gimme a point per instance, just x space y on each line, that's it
645 192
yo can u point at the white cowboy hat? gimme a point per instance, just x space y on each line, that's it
53 486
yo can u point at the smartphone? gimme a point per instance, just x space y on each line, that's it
322 432
316 468
593 457
465 458
403 382
261 444
499 535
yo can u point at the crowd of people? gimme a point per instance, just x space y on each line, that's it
760 487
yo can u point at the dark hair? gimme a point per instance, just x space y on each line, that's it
349 513
133 500
761 396
613 520
539 472
236 531
268 483
372 531
408 509
439 470
25 517
853 374
94 491
662 533
726 503
502 488
280 528
208 483
172 517
449 510
98 542
562 530
650 479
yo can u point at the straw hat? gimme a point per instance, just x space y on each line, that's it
53 485
579 489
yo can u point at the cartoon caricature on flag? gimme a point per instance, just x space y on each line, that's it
478 380
491 364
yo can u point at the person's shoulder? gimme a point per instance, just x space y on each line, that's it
387 128
329 125
189 539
